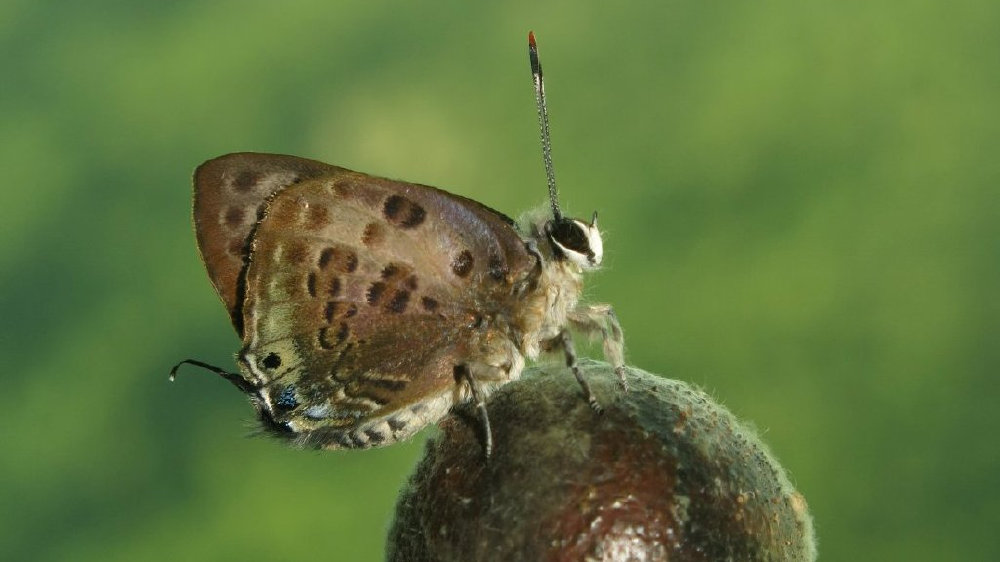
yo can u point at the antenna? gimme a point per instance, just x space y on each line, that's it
235 378
543 124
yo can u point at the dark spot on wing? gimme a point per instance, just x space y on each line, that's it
350 262
245 180
334 288
370 396
400 274
322 338
402 212
429 304
396 424
393 207
374 436
272 361
317 217
342 188
325 257
234 217
373 234
375 292
330 338
398 302
462 264
339 309
340 258
311 284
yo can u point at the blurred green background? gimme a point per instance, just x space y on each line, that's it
801 211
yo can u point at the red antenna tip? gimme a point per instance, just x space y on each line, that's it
531 38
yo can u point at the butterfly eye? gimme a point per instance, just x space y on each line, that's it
576 241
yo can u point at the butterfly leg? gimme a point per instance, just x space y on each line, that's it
479 399
530 282
565 340
532 247
601 319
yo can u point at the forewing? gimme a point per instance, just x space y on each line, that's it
229 194
369 292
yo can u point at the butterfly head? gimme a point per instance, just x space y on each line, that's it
576 241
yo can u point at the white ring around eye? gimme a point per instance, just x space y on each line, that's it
594 243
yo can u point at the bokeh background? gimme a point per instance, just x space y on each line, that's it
801 211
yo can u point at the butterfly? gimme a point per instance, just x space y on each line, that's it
368 307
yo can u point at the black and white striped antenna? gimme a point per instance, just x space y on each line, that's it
543 124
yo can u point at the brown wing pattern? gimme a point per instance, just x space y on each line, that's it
369 291
229 194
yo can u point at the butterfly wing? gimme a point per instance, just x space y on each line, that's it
363 295
229 196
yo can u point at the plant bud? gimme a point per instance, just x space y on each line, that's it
664 473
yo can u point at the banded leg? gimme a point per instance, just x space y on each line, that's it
532 247
601 319
531 281
566 341
479 399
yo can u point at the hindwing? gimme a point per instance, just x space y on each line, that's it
229 196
